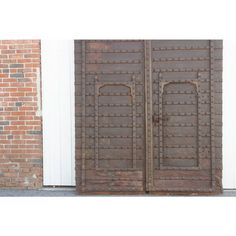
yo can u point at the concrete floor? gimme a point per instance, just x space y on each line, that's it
45 192
69 192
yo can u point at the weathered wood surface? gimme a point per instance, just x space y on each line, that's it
148 116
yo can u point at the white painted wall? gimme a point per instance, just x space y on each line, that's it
58 112
229 114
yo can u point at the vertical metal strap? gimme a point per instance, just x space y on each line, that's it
133 95
199 116
148 114
83 130
160 97
212 113
96 121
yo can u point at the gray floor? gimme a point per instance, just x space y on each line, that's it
45 192
68 192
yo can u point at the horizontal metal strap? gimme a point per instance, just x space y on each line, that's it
182 113
177 92
156 80
176 157
119 115
114 41
183 136
185 124
114 51
183 178
177 103
181 59
180 146
113 72
113 126
113 105
110 147
114 94
117 105
92 83
112 115
180 70
167 124
113 136
180 48
114 62
187 92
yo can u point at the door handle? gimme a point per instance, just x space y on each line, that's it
156 119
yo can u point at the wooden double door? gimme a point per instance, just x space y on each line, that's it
148 116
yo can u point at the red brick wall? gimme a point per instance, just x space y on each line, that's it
20 118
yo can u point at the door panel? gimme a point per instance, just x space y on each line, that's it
111 83
148 116
183 157
181 154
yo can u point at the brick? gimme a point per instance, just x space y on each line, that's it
16 65
17 84
4 122
19 104
36 161
10 89
3 75
36 55
3 56
17 75
9 61
24 89
24 80
35 132
16 56
13 71
3 65
24 60
18 122
16 46
10 137
3 47
7 51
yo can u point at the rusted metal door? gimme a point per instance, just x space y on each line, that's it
148 116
